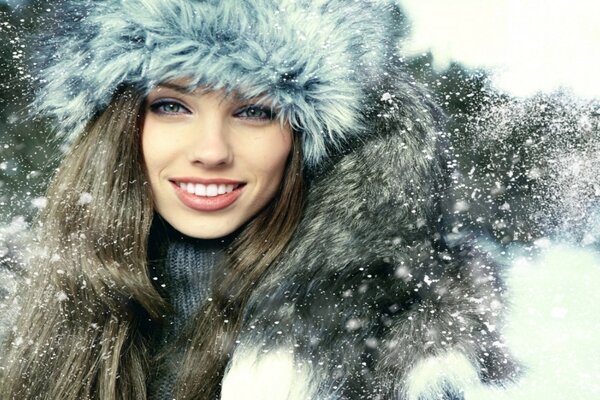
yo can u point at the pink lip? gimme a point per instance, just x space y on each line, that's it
217 181
204 203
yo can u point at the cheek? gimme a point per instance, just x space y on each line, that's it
156 149
270 158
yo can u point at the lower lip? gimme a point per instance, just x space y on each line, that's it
204 203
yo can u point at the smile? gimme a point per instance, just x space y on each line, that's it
208 196
209 190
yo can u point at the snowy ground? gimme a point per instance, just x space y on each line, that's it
554 326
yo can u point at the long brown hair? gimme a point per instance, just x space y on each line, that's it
81 330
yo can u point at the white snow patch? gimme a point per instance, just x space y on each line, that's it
553 325
386 97
62 296
542 243
85 198
528 45
39 202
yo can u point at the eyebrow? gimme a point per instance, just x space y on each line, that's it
176 87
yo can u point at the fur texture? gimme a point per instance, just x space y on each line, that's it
369 301
368 293
312 59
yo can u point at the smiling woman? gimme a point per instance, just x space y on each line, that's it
251 206
212 161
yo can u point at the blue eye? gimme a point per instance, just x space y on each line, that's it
256 112
166 106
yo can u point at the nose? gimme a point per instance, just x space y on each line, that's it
211 147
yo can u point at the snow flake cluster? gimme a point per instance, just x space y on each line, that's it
534 168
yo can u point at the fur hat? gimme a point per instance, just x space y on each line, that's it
313 59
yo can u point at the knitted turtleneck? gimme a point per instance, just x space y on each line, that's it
185 279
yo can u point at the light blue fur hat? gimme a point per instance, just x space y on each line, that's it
315 60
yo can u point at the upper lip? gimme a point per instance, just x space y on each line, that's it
207 181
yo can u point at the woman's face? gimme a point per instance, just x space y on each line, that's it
213 162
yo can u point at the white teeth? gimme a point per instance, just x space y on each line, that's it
212 190
200 190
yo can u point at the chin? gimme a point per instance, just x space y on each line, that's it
204 232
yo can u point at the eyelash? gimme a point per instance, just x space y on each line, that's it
156 107
266 113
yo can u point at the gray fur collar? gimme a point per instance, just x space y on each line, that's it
368 295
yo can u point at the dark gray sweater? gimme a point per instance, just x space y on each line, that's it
185 277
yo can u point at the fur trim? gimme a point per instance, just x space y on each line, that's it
435 377
368 292
271 375
313 60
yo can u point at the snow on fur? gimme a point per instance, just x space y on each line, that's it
312 59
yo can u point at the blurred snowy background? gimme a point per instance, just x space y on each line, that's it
520 81
527 133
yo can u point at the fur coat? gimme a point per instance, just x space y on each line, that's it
370 300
